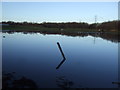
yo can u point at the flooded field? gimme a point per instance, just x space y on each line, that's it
34 60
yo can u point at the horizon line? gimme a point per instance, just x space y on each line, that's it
58 21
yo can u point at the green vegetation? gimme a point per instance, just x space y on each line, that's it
106 30
65 28
38 28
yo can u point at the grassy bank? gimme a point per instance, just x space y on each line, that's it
39 28
109 35
46 30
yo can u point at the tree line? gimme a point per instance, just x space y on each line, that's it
110 25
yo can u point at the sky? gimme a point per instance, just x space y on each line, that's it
59 11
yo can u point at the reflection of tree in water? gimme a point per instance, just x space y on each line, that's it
9 81
62 82
114 37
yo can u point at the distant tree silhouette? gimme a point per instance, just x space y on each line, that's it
111 25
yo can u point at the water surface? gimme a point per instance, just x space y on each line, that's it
91 62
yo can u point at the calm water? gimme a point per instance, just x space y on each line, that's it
90 62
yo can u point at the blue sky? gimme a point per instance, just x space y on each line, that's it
59 11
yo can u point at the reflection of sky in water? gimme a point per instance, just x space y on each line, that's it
90 62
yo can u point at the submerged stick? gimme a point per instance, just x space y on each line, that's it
61 50
60 64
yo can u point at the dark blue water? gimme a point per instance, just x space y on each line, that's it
91 62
